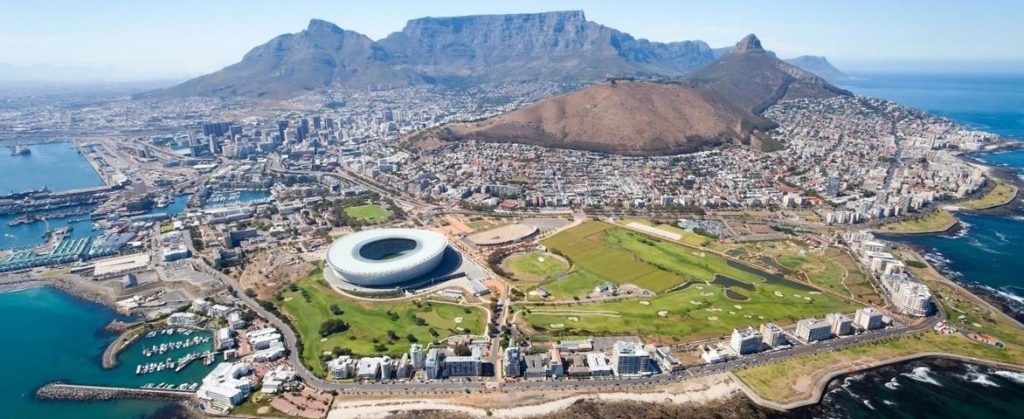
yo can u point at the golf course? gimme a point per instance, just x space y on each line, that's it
311 302
698 294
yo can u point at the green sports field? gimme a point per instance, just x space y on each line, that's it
369 212
310 304
535 266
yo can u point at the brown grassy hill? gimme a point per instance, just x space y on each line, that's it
719 104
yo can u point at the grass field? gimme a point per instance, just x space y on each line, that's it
603 253
370 212
310 304
1000 194
938 220
535 266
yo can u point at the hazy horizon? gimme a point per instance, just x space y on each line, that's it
125 41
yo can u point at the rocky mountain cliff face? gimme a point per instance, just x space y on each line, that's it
555 46
719 104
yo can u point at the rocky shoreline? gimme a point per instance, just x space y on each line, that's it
67 285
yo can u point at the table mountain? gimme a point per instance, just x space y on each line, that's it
718 104
553 46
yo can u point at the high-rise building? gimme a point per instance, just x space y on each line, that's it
772 335
745 341
811 330
630 359
434 364
841 324
867 318
417 355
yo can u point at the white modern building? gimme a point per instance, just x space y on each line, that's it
840 323
867 318
746 341
630 359
772 335
226 386
385 257
812 330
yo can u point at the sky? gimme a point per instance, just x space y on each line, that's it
167 39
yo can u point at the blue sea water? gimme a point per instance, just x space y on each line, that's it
48 335
65 169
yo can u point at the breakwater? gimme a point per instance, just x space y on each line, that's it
62 391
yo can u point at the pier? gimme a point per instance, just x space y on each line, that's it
62 391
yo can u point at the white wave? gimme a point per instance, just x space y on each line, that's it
1001 236
1010 375
977 244
892 384
888 402
921 374
983 379
868 404
1009 296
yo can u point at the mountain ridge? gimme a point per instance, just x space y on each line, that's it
549 46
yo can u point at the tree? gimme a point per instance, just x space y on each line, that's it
332 326
411 338
337 311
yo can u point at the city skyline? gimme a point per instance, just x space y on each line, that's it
124 41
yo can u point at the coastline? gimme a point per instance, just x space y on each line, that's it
69 286
820 386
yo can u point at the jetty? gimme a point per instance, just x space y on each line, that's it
62 391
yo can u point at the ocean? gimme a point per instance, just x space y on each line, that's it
64 341
923 389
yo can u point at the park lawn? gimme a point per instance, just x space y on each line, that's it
370 212
1000 194
369 321
696 312
792 379
535 266
936 221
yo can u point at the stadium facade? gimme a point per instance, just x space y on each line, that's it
385 257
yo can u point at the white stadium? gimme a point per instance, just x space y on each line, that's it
386 257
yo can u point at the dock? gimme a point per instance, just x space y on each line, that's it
62 391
